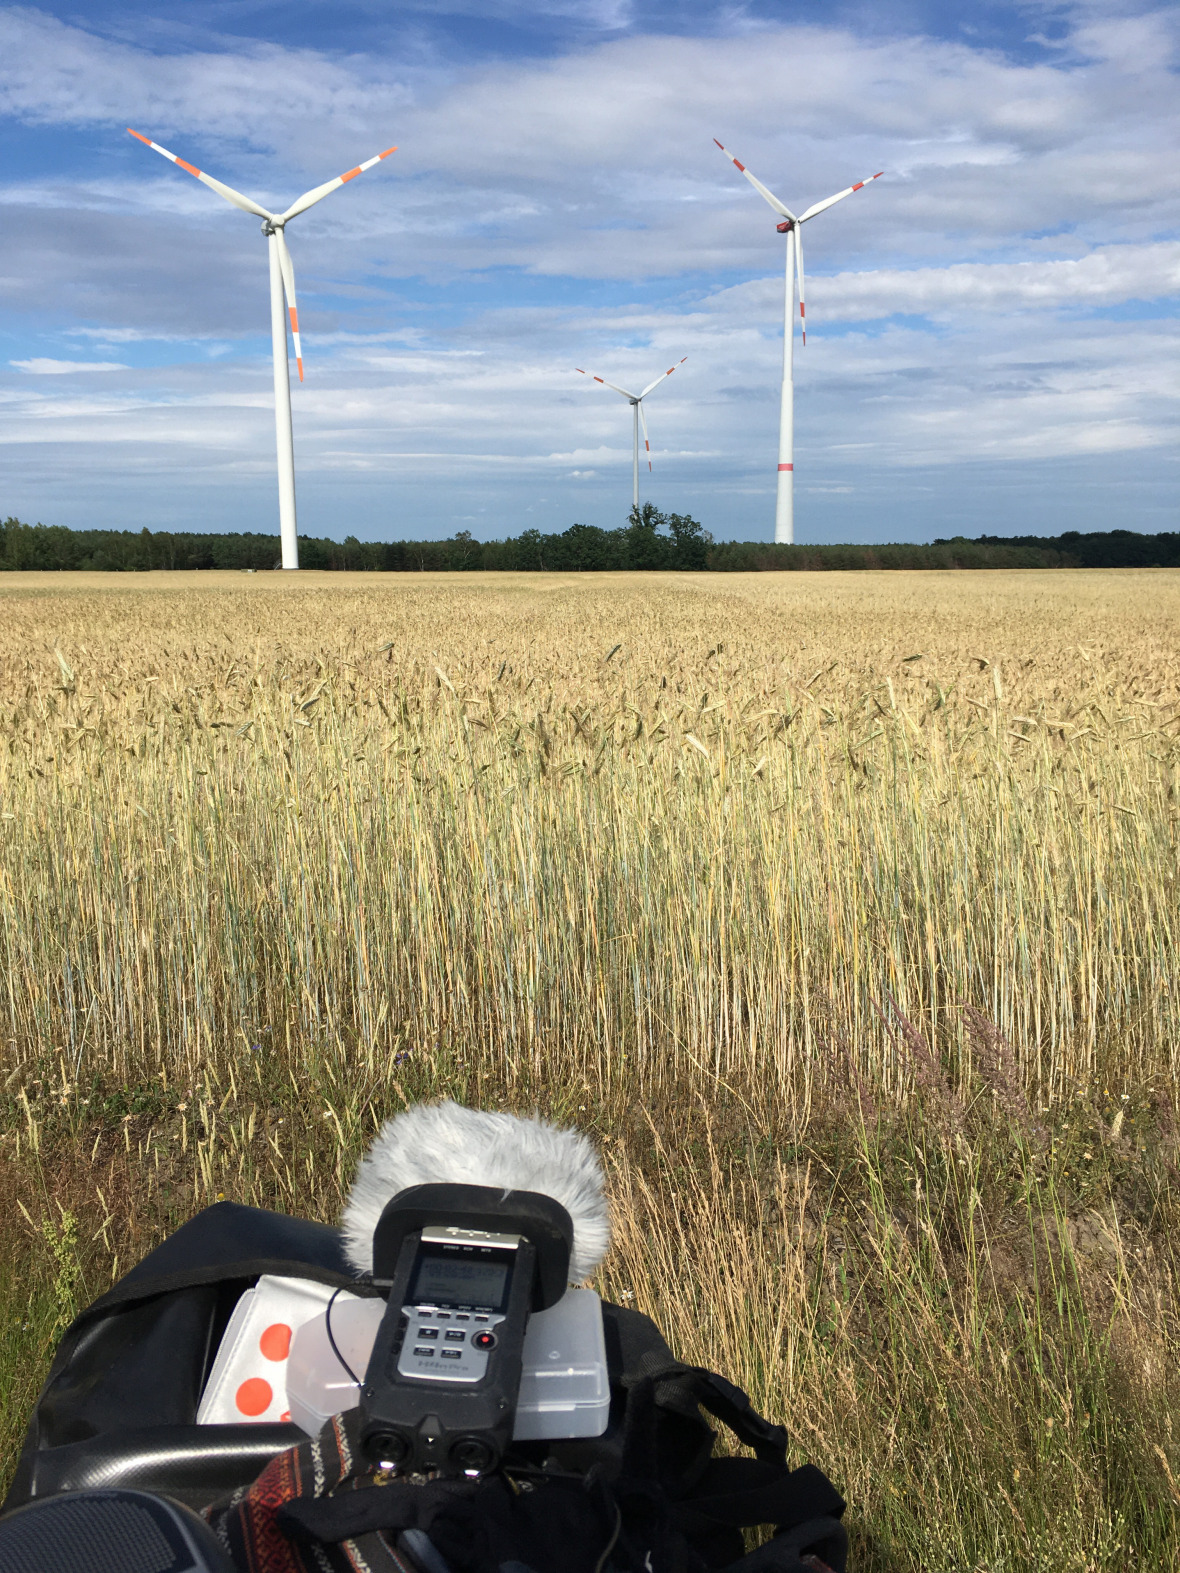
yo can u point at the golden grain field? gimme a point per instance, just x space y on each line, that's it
841 907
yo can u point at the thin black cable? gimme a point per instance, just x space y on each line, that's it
610 1545
332 1341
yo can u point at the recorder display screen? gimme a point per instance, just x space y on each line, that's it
451 1279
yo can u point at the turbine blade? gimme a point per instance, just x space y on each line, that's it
606 384
828 202
643 423
288 271
222 190
317 194
778 206
799 265
661 377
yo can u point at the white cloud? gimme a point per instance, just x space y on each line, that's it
1017 198
1109 276
260 93
600 162
39 366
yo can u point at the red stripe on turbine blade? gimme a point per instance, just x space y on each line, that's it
786 466
140 135
858 185
192 169
742 167
299 363
294 319
599 379
352 173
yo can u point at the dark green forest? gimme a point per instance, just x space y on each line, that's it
649 539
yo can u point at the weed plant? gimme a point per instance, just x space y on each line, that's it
841 909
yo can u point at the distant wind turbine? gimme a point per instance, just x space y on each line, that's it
282 280
784 511
636 402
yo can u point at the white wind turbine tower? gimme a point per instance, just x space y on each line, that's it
784 511
282 280
636 402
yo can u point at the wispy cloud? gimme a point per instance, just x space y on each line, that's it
40 366
1108 276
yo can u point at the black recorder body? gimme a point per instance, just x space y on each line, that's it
465 1267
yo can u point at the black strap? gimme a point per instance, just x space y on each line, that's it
825 1538
396 1505
732 1407
743 1492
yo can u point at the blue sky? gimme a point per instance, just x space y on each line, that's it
993 331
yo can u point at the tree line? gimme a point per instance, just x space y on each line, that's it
649 539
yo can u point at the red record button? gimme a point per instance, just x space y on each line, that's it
484 1340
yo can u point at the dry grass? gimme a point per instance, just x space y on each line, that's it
841 906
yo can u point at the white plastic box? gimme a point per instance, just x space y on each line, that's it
248 1382
564 1390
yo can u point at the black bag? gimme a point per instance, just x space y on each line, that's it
119 1409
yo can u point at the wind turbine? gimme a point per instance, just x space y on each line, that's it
282 281
636 402
784 510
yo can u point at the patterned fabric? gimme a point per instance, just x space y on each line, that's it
328 1465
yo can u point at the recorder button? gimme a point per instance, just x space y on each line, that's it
427 1350
483 1340
428 1332
452 1354
454 1335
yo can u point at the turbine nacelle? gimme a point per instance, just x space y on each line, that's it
785 227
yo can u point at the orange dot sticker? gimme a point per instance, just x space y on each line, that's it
275 1342
254 1396
285 1416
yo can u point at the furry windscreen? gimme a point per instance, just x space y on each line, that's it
444 1141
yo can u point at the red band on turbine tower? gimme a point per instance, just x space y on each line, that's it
786 466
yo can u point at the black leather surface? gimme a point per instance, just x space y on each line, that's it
119 1404
194 1464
